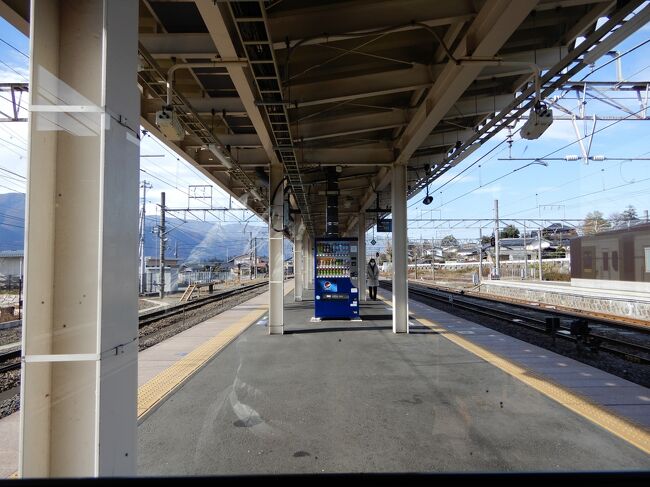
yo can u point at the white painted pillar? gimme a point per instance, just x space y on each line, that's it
309 262
362 255
305 261
276 252
80 332
400 249
298 262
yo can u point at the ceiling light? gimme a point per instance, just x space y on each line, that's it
428 198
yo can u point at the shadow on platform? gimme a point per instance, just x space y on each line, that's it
334 329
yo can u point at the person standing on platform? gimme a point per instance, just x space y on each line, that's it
372 275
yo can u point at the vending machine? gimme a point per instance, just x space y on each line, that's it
337 278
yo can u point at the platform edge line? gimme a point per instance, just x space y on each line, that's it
621 427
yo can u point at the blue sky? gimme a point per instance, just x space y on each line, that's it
562 189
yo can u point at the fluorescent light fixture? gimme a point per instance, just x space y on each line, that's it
256 195
223 159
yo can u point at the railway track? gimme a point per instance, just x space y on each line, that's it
148 318
616 338
613 320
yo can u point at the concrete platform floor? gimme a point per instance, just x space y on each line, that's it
340 396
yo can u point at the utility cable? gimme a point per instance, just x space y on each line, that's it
14 47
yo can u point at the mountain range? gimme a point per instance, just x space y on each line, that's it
190 241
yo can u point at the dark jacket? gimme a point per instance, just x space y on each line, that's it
372 274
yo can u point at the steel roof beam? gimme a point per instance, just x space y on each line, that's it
338 126
488 32
495 23
351 20
184 45
405 79
361 86
216 24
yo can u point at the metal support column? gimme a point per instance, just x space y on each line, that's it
80 329
362 256
276 251
400 250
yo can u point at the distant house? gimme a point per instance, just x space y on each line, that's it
155 262
520 248
11 267
152 274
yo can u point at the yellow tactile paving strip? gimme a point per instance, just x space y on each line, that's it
167 381
623 428
162 385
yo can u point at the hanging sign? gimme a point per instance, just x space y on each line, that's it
385 225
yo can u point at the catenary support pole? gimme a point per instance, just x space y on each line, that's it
480 255
80 332
276 251
541 277
497 267
161 234
143 235
525 254
400 242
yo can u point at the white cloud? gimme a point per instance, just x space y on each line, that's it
19 74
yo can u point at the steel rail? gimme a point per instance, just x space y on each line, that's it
151 317
535 324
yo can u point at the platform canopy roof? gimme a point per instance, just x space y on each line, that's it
359 84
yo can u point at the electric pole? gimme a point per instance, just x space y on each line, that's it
433 260
540 253
480 255
255 256
161 234
497 270
143 273
525 254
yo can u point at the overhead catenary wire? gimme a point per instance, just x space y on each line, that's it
174 155
539 159
583 78
13 47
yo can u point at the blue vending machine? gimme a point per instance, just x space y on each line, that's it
337 278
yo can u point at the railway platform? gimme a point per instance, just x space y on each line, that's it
341 396
162 367
627 304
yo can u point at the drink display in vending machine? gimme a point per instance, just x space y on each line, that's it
337 278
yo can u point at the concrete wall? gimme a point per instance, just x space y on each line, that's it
10 266
628 307
171 280
637 287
